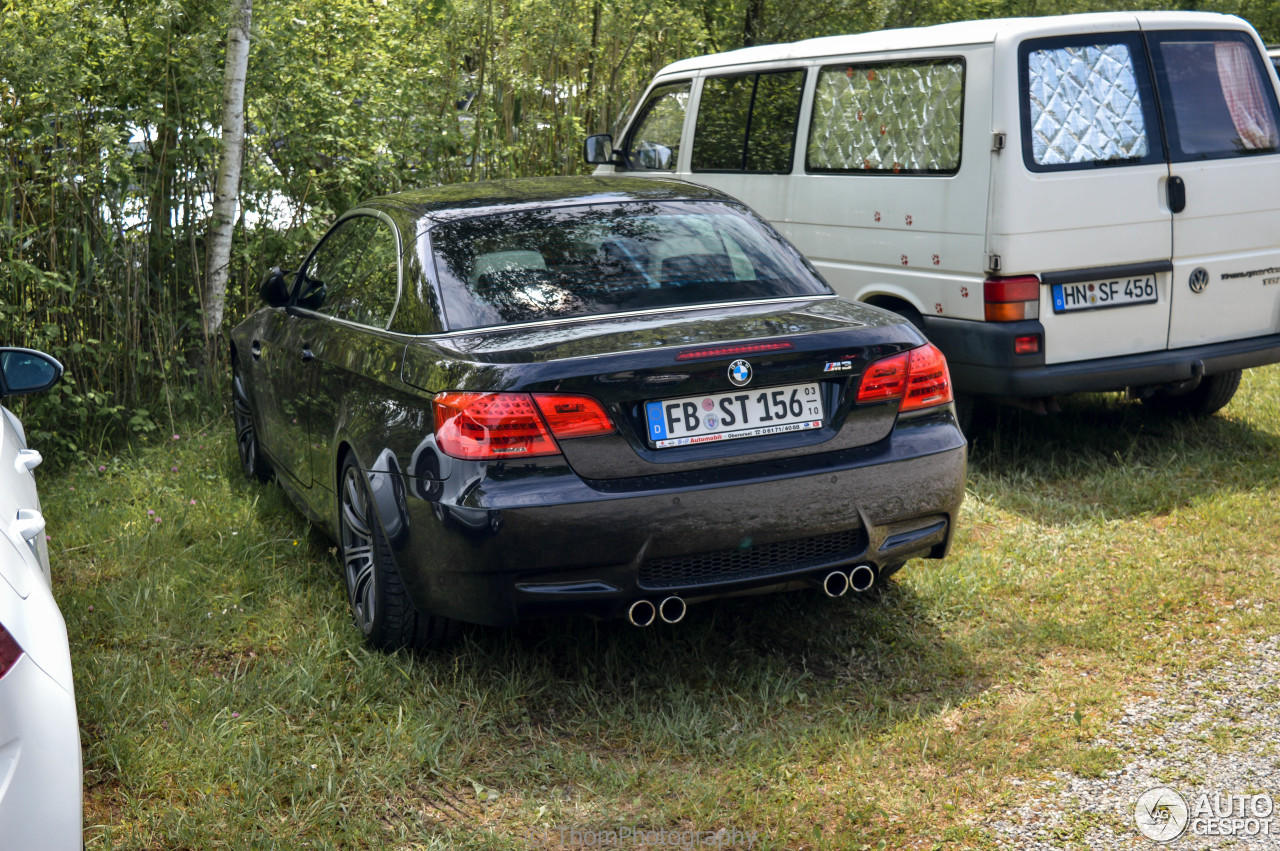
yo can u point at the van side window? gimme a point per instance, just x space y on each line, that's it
748 122
654 144
1086 104
898 118
1217 98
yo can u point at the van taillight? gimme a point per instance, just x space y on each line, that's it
918 377
513 425
10 652
1011 299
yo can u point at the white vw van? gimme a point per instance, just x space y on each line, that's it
1062 204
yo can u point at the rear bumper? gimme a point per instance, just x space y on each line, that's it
980 356
507 547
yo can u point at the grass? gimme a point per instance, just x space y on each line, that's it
227 702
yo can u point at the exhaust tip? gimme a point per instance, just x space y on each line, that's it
672 610
862 577
642 613
835 584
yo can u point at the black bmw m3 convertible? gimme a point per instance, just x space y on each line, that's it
607 396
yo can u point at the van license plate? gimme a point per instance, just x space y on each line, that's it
728 416
1118 292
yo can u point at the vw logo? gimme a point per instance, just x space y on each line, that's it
740 373
1199 280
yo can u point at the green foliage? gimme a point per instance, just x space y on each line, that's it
110 114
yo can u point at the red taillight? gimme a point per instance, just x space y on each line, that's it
730 351
928 381
884 379
1011 299
573 416
10 652
491 425
918 377
506 425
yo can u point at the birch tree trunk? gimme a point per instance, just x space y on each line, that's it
218 262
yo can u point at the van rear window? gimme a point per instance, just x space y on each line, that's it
1087 102
1085 105
889 118
1223 104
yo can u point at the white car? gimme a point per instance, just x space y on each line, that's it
40 763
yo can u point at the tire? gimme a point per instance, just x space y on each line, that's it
251 460
1210 396
380 603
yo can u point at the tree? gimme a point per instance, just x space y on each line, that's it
222 223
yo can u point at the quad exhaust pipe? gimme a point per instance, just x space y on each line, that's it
644 613
834 584
672 610
860 578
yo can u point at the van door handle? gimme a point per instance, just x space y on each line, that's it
28 459
256 350
308 355
1177 194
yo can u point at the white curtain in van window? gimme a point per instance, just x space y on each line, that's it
1242 89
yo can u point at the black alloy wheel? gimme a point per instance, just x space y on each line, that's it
251 460
380 603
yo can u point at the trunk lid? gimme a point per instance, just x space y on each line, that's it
670 369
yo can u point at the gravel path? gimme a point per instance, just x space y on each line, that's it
1214 734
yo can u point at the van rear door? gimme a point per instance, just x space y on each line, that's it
1086 209
1220 117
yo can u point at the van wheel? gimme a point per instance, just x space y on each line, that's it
379 601
1210 396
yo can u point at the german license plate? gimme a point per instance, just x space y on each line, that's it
1118 292
728 416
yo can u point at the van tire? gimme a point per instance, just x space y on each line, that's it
900 307
1210 396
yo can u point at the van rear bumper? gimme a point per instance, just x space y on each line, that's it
980 356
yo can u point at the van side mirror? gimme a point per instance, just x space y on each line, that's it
273 290
24 371
599 149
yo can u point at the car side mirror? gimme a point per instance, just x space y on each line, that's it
273 290
24 371
598 149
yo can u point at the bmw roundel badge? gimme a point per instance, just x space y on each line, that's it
740 373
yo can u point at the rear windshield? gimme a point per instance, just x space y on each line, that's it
534 265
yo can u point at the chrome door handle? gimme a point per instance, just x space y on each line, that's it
256 350
308 355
